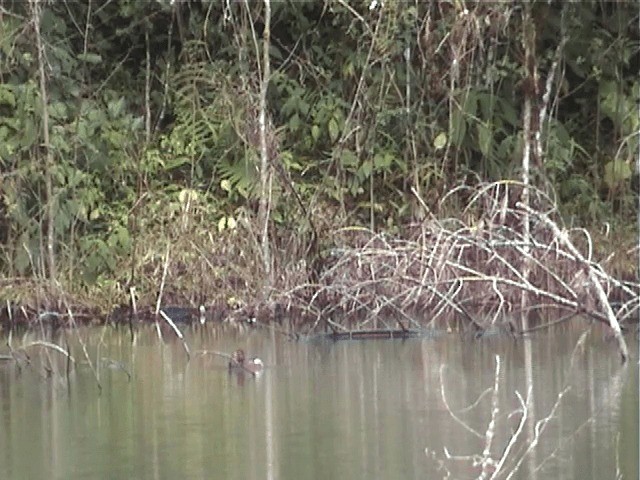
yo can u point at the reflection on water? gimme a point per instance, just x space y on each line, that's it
360 409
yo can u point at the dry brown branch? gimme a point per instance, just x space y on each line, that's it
593 277
446 272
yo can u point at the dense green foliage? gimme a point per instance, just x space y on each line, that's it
368 104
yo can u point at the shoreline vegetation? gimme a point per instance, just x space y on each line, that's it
325 166
442 275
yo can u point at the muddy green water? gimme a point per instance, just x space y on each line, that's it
320 410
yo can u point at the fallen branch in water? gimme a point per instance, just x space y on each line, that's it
49 345
214 352
451 274
165 269
84 349
518 446
116 365
177 331
595 282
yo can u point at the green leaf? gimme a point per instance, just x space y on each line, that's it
348 159
29 134
119 239
382 161
116 108
176 162
303 107
6 96
487 105
616 172
21 260
7 143
334 130
294 123
484 139
58 110
440 141
365 169
470 104
458 128
315 133
92 58
509 114
289 106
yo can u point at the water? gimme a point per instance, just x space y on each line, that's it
353 409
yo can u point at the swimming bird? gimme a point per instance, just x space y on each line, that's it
238 361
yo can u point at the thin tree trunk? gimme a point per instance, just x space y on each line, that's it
265 171
48 166
530 95
147 89
638 175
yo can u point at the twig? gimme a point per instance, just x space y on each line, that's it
133 311
443 395
161 290
487 461
539 429
524 409
114 364
213 352
602 296
84 348
49 345
177 332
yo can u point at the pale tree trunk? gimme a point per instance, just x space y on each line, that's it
638 175
530 96
265 170
48 166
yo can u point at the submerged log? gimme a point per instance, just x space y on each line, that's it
374 334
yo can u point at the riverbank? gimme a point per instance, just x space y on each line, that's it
476 272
